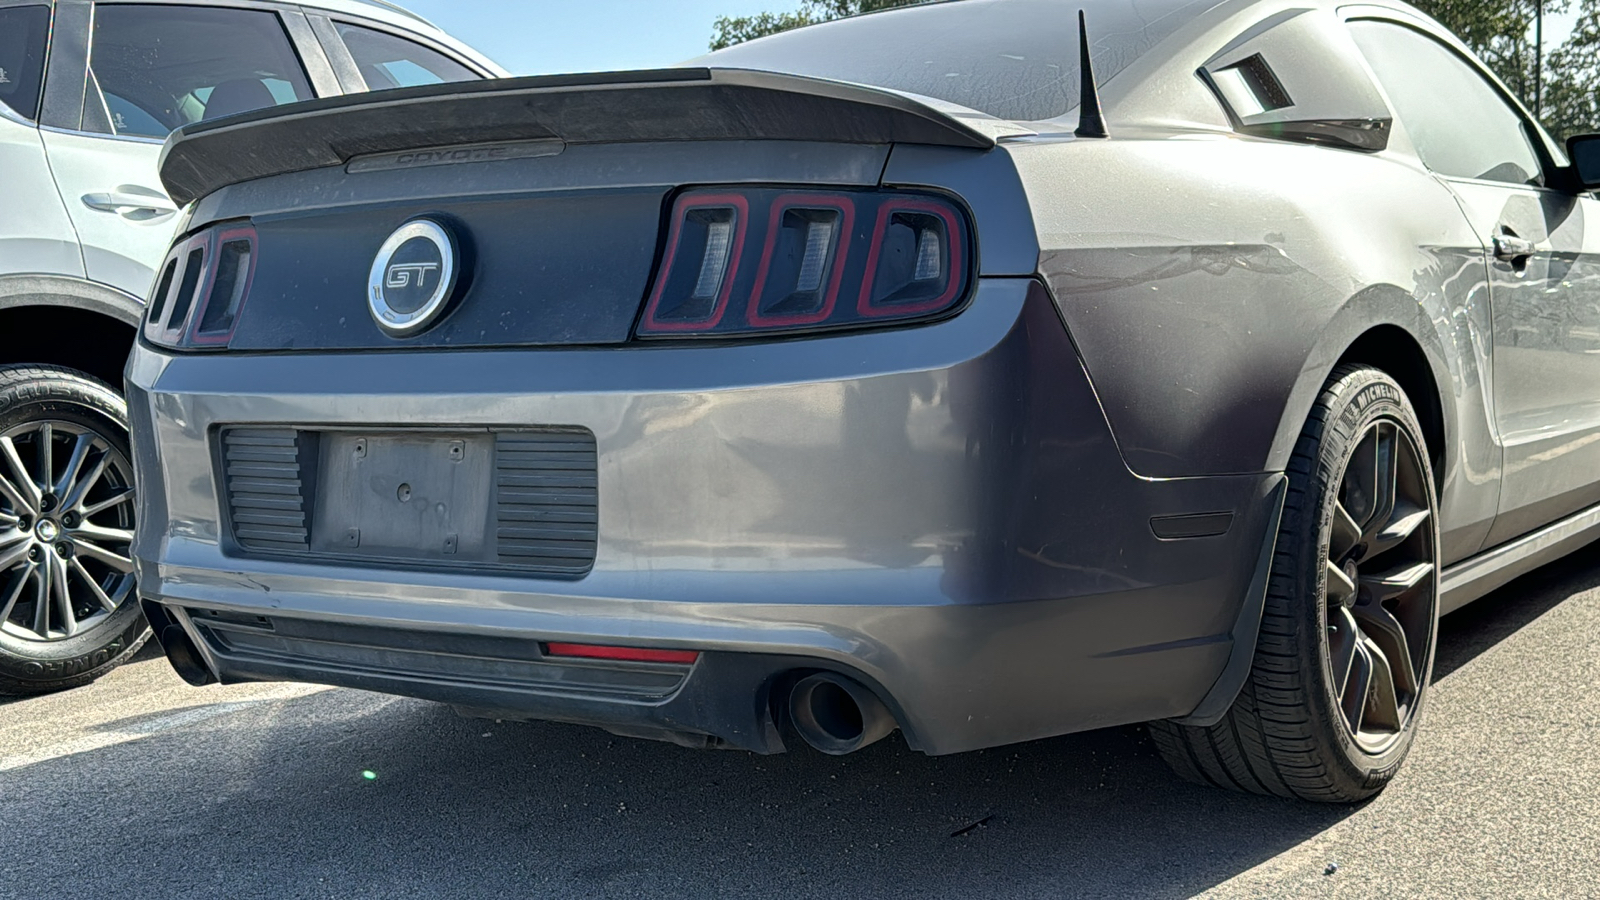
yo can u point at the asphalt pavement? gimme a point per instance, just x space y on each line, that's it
141 787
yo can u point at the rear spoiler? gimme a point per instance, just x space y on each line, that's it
612 107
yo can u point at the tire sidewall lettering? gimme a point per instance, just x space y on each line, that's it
53 669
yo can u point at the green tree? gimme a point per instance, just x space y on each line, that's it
1572 78
730 30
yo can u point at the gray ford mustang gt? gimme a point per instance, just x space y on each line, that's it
970 369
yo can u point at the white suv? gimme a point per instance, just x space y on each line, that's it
89 90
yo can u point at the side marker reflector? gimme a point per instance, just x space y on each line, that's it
627 654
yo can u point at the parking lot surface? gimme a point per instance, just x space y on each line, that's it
140 786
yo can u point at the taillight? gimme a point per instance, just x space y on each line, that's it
765 260
202 288
703 250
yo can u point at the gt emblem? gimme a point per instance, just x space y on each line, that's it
400 274
413 278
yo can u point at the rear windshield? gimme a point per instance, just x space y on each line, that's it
1013 59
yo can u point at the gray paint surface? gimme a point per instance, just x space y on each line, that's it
867 506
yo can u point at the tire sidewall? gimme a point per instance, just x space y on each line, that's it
30 666
1359 398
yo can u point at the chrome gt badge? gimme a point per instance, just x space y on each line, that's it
412 278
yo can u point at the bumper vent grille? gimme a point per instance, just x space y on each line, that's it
546 500
544 517
266 493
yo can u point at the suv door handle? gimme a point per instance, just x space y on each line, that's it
118 201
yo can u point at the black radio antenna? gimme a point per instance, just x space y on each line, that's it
1090 123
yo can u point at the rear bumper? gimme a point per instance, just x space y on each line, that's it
940 512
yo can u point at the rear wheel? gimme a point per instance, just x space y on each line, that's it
68 606
1347 637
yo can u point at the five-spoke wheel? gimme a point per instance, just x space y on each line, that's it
1380 607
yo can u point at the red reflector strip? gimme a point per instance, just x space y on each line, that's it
629 654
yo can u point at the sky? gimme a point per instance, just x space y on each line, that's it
538 37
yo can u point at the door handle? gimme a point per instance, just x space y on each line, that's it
1512 249
118 201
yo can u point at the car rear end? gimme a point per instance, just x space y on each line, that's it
748 385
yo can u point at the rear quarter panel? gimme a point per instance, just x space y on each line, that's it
1212 282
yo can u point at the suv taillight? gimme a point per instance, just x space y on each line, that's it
202 288
766 260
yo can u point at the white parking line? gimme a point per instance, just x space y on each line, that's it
134 731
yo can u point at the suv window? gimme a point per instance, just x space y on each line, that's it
387 61
23 32
1459 123
160 67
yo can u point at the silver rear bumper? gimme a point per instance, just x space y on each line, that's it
940 511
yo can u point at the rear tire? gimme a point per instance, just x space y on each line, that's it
92 622
1334 696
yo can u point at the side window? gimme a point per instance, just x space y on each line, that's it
1459 123
23 33
387 61
161 67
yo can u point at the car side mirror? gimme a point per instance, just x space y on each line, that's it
1584 151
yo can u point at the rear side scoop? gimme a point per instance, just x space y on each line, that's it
614 107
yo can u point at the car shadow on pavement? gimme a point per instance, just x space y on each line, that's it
347 794
273 801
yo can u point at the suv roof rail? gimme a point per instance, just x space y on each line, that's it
397 8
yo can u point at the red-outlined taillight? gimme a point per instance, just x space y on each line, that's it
835 257
894 255
167 315
622 654
950 269
186 310
654 320
234 274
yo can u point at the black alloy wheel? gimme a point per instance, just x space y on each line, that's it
1345 650
1381 601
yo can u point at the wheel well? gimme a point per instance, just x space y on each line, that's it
1394 351
61 335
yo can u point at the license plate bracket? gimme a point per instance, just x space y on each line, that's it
405 496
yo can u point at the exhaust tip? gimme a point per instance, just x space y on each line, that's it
175 643
184 656
838 715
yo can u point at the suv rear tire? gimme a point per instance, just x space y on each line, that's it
1346 646
66 519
